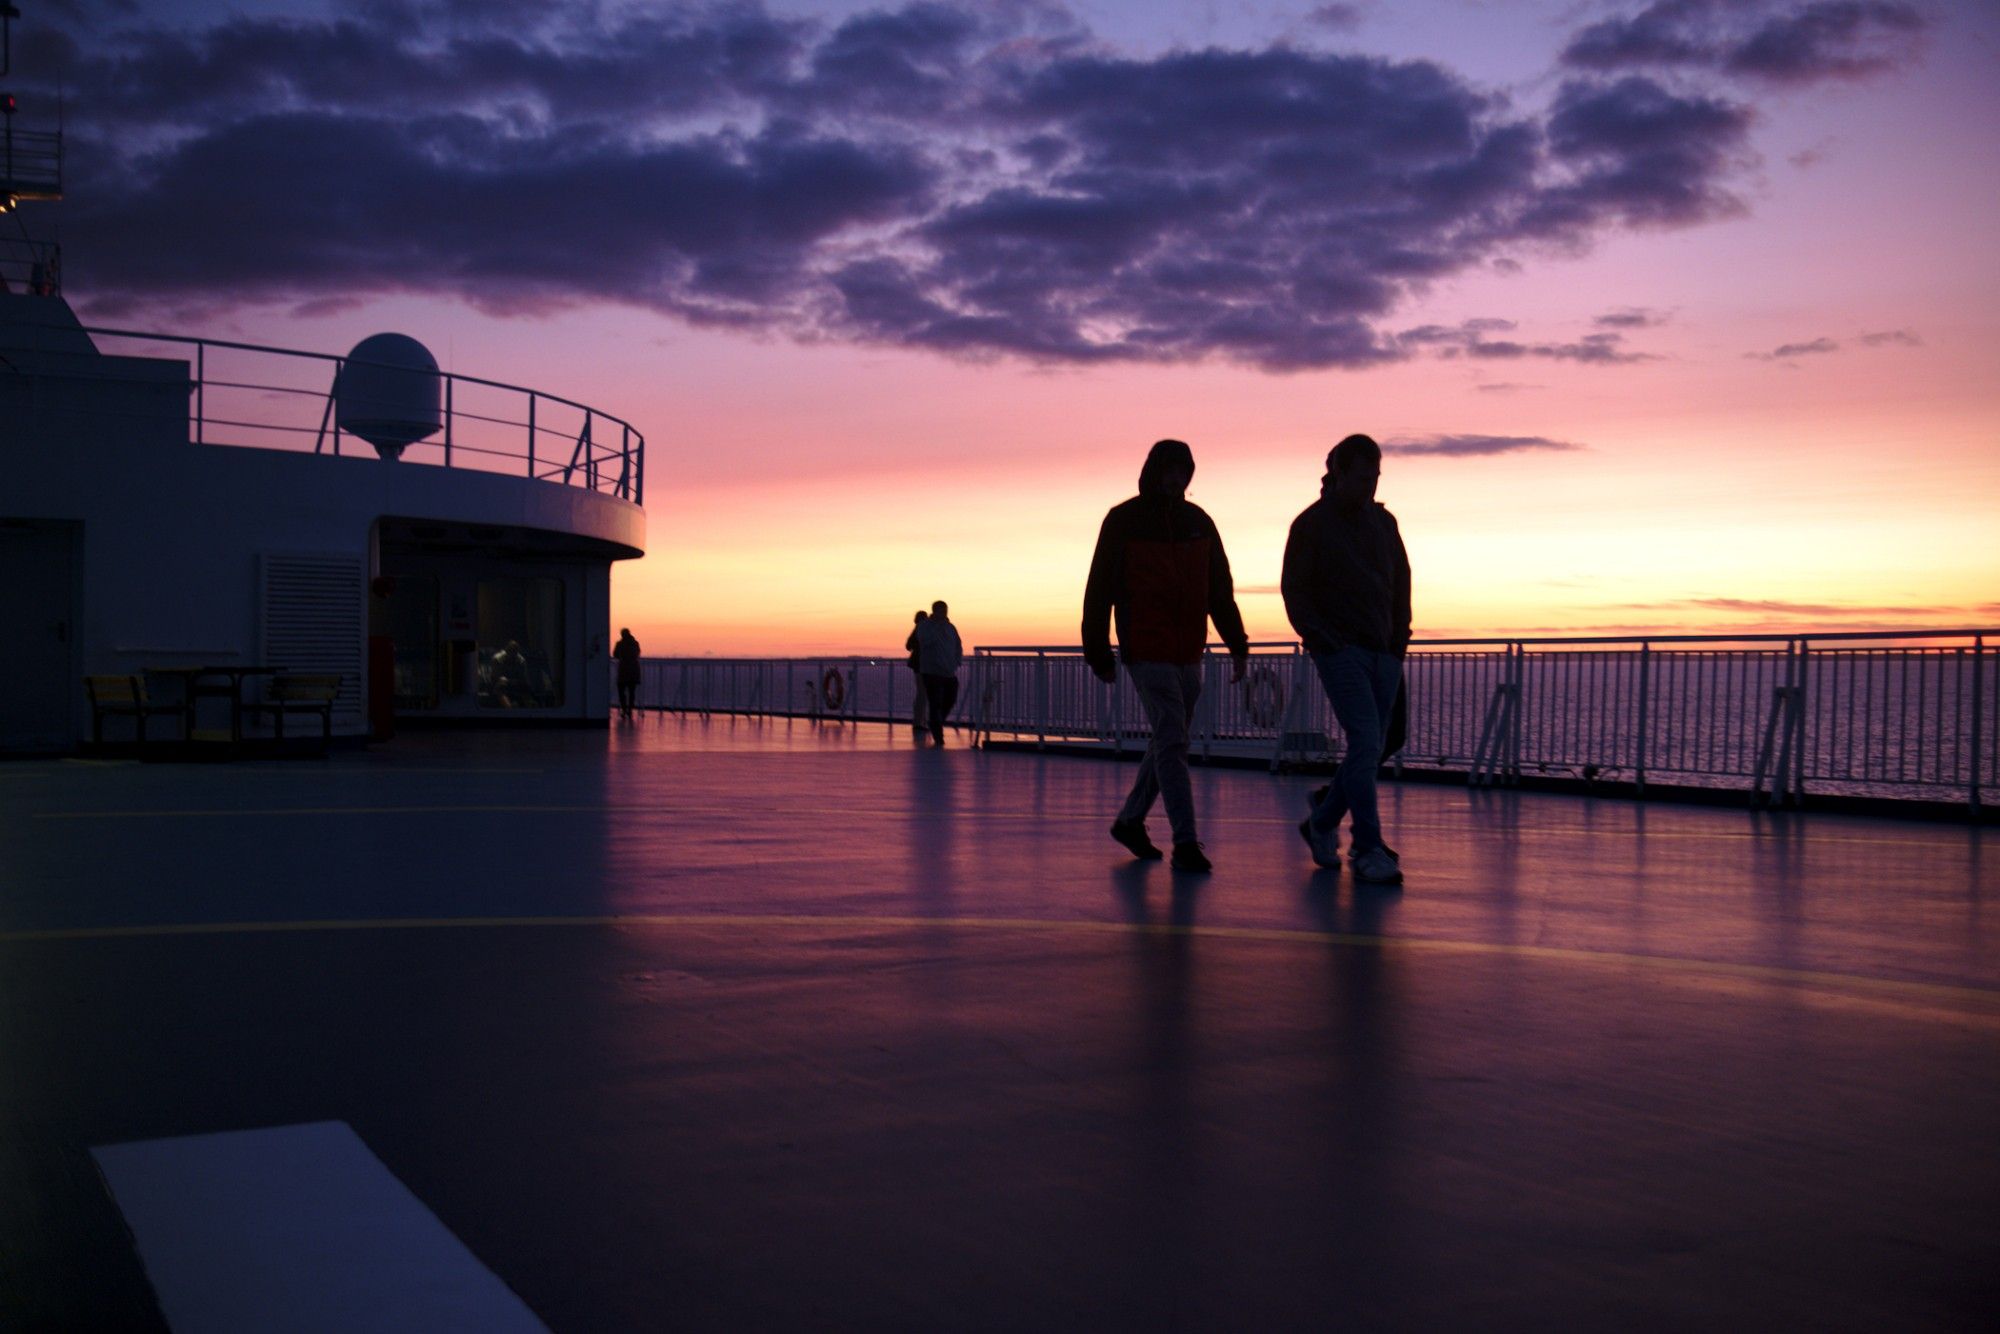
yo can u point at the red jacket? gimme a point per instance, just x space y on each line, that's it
1160 567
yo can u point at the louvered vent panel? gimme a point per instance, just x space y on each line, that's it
314 621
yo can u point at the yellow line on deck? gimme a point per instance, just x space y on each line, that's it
1274 935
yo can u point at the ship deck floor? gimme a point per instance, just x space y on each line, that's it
742 1024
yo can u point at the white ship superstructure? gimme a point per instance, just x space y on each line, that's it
442 542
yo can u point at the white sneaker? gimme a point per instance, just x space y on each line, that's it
1376 867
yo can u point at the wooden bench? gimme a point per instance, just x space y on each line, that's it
300 692
122 696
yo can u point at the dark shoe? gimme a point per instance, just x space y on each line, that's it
1323 849
1187 857
1133 835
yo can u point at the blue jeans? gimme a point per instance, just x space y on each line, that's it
1361 685
1168 691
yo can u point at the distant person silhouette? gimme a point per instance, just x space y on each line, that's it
626 651
1347 591
920 706
938 654
1160 571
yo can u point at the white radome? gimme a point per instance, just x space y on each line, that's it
389 393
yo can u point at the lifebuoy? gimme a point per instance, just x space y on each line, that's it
1264 697
833 690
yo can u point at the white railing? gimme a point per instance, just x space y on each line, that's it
855 689
1905 714
250 395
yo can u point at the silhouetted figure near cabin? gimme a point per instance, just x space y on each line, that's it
627 653
1347 592
938 654
1160 572
920 706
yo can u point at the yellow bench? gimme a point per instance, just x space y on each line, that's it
122 696
300 692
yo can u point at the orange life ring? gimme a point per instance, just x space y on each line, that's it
833 690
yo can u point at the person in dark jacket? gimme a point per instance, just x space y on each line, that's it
626 651
939 652
1347 591
1160 572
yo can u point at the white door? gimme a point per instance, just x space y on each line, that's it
38 685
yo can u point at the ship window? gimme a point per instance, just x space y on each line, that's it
520 643
412 616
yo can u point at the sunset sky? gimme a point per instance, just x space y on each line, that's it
1681 316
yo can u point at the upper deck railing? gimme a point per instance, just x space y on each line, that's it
1893 714
31 163
256 396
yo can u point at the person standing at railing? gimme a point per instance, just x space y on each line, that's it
1347 591
1160 572
626 652
920 706
938 654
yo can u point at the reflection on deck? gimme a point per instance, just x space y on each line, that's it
740 1024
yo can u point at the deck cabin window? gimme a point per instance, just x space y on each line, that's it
521 633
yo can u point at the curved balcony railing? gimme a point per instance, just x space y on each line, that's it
255 396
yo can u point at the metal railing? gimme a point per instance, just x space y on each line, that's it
28 265
251 395
1891 714
878 690
31 163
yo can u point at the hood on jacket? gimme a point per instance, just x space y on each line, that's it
1162 456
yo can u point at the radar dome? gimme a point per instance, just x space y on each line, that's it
389 393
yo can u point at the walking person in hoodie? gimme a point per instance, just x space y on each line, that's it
938 654
1160 572
1347 591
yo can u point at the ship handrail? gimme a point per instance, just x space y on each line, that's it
607 453
1883 713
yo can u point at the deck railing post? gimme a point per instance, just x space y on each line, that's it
448 382
1042 712
326 414
1978 715
201 393
1211 698
1117 713
531 433
1798 791
1639 752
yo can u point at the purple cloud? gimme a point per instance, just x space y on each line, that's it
1474 339
1477 446
1336 17
1777 41
1789 351
975 179
1892 338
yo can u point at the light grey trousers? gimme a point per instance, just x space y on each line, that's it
1168 691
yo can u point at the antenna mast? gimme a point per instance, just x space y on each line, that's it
31 167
